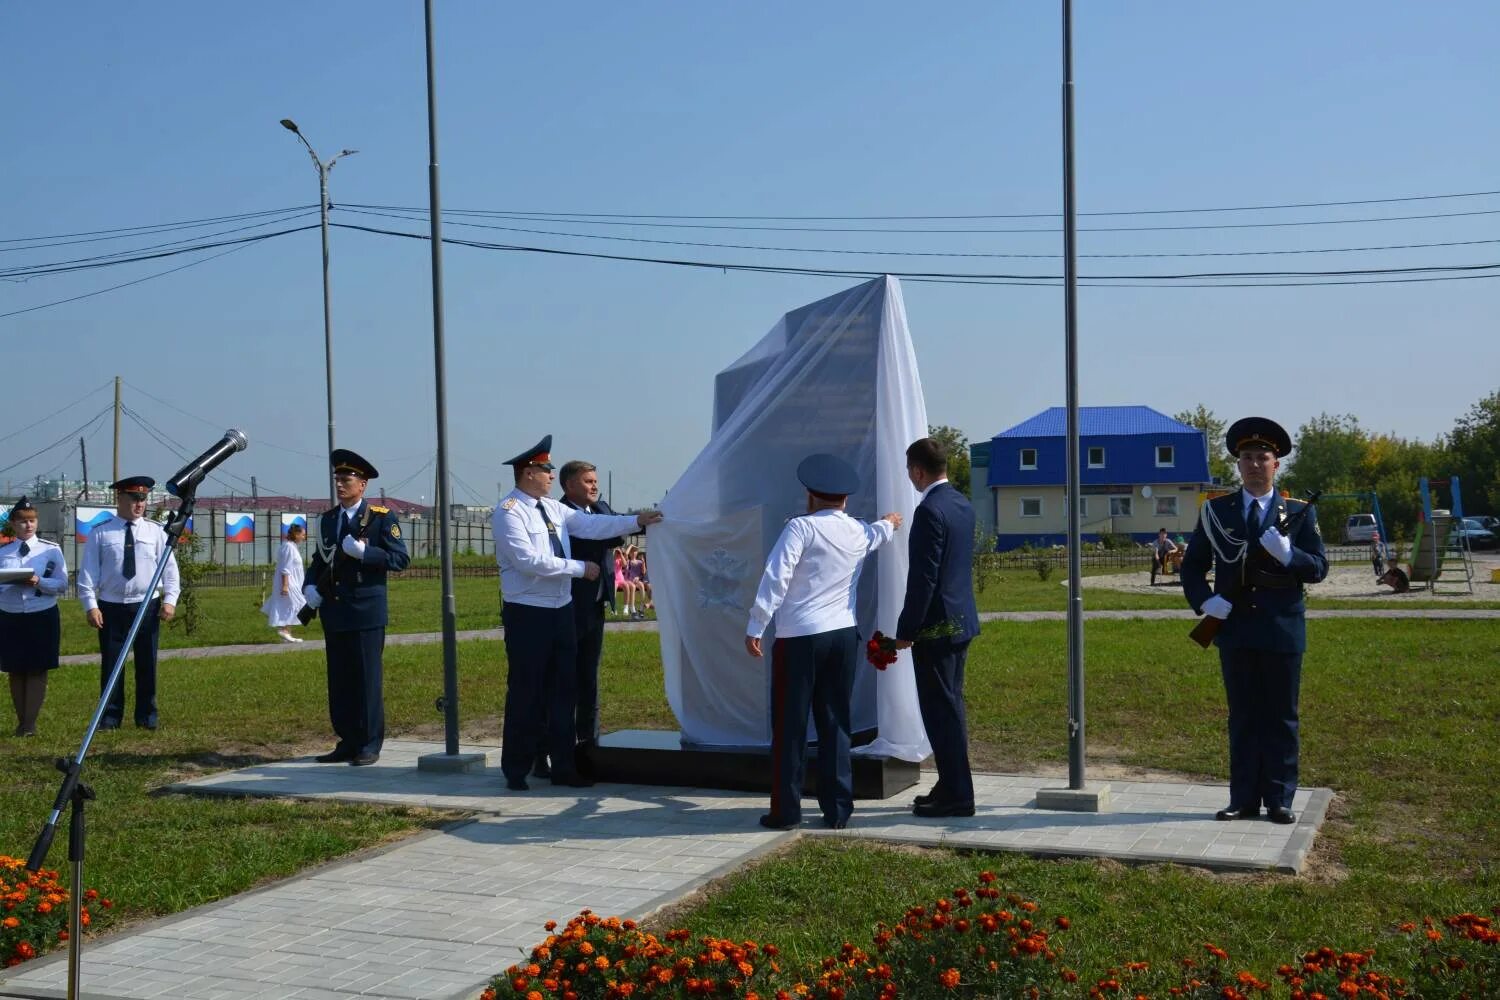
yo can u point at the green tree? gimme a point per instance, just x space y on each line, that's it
957 447
1219 465
1474 448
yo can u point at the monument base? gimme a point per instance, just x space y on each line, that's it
1091 798
659 757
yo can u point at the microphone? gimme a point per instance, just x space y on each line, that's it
189 476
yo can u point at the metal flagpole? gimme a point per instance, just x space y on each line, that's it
1077 796
450 759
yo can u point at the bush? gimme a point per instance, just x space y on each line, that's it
34 910
1044 569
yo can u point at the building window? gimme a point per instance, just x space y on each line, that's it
1096 458
1166 506
1119 506
1166 456
1083 506
1031 506
1028 458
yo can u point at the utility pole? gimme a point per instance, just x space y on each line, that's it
117 430
254 489
83 453
324 169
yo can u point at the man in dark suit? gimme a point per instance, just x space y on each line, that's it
938 620
358 544
580 484
1259 573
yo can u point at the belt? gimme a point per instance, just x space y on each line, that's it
1273 581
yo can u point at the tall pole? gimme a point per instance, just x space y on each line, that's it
117 430
83 454
445 542
323 169
1070 322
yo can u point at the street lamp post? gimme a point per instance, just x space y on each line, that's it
324 169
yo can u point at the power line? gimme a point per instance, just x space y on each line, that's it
80 429
140 254
127 231
927 253
409 478
212 423
1020 215
54 414
928 275
869 229
126 284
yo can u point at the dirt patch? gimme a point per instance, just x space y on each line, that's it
1343 582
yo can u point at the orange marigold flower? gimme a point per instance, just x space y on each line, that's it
1064 923
520 983
601 962
10 922
533 995
986 877
949 978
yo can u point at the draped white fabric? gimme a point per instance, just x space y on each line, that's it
836 376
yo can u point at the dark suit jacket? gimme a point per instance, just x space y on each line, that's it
357 597
1262 617
940 579
595 551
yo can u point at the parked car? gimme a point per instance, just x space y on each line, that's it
1488 522
1476 534
1359 528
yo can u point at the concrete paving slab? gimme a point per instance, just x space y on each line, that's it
435 916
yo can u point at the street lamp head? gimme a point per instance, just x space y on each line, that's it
289 125
348 152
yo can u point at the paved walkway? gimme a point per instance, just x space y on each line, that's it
427 638
435 916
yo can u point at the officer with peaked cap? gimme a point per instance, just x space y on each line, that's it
533 546
118 562
1259 575
808 589
30 626
359 544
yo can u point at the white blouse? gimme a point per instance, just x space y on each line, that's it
45 559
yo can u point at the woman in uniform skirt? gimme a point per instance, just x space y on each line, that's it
30 629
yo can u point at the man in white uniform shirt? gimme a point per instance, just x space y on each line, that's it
808 589
537 570
119 559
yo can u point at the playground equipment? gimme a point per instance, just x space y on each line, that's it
1386 571
1440 556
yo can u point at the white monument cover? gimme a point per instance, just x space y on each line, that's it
837 376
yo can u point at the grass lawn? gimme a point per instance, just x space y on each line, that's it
1400 718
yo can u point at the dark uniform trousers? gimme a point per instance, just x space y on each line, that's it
812 672
356 703
1262 688
540 688
939 673
588 625
117 619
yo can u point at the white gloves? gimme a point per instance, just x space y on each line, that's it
354 547
314 599
1277 544
1216 607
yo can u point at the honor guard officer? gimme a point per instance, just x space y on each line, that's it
808 588
119 560
1259 573
359 543
533 547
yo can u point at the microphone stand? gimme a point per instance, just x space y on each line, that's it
74 792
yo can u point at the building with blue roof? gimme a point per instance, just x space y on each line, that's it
1141 471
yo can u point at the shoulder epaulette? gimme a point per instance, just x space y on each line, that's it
380 510
507 505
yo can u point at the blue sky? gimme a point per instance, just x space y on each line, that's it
125 115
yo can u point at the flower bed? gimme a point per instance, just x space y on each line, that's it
983 943
34 910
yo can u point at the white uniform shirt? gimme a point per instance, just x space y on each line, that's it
812 574
101 577
529 571
45 559
1261 502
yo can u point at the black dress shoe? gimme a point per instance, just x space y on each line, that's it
773 823
926 797
835 824
1281 815
940 809
334 756
364 759
542 768
517 784
109 724
146 725
1237 812
571 781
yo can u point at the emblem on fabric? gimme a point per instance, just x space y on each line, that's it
507 505
720 584
395 531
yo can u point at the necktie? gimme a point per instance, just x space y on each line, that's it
552 533
1252 521
127 568
25 550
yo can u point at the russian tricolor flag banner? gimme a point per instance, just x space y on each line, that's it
239 526
287 520
86 519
